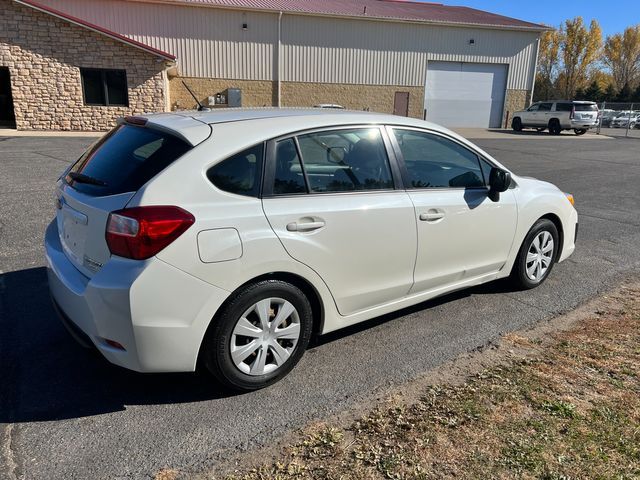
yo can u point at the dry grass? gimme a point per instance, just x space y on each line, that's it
568 408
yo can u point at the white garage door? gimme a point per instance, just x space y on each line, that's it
465 94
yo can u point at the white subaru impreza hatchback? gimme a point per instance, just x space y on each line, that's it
229 238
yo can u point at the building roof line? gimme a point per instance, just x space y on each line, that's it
96 28
289 7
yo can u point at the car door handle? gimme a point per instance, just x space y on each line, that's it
305 226
431 216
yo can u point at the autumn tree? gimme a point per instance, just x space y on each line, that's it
581 48
622 56
548 59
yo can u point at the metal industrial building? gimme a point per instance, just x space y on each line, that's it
458 66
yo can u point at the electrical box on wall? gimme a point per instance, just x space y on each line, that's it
231 97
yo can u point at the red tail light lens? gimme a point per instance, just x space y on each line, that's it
142 232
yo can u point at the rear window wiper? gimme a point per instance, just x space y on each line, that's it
82 178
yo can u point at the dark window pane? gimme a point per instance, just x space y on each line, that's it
434 162
345 160
288 177
545 107
239 174
564 107
586 107
125 159
116 87
93 87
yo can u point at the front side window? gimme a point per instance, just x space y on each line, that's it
105 87
533 108
240 173
345 160
437 162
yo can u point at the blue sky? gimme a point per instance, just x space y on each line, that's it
613 15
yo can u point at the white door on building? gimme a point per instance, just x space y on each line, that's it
461 94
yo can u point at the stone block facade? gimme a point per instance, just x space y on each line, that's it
375 98
514 101
44 55
256 93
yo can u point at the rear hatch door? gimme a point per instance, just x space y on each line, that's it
104 179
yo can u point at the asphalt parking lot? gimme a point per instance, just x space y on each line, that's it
66 413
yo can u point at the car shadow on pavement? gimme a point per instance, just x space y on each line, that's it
47 376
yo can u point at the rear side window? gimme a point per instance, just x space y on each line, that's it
289 177
545 107
564 107
239 174
124 160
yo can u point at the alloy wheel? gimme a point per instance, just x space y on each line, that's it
265 336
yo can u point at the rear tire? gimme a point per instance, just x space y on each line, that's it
245 349
580 131
536 256
554 127
516 124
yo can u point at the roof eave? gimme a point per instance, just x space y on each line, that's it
532 28
96 28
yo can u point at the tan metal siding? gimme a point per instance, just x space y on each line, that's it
210 43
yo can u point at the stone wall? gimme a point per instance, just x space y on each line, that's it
44 55
376 98
255 93
515 100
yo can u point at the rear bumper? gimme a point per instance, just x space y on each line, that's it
586 124
158 313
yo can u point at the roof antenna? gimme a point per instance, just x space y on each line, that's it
201 108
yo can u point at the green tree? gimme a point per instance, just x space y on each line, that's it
636 94
610 93
594 92
622 55
580 94
581 48
625 94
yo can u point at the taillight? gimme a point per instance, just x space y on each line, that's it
141 232
573 113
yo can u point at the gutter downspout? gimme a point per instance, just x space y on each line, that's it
279 63
535 72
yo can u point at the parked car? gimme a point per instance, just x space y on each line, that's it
606 117
624 119
228 238
557 116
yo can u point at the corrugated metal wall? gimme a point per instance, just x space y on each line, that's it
211 43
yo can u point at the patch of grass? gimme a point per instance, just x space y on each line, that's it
569 410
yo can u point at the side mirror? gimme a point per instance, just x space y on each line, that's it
499 181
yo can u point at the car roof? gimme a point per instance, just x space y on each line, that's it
196 126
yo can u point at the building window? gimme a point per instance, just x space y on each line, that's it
104 87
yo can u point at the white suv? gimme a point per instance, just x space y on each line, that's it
557 116
228 238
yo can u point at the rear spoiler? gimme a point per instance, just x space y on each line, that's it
184 127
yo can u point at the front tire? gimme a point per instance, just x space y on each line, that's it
537 255
259 336
516 124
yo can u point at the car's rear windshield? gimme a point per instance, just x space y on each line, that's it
124 160
585 107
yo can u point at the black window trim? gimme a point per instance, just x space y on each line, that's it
270 161
103 77
405 173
